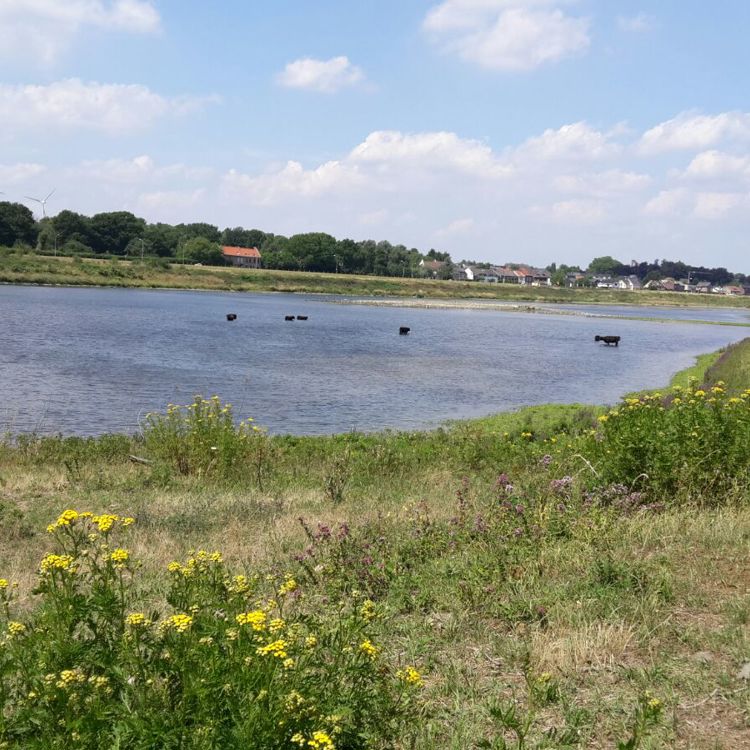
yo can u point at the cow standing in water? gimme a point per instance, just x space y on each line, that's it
608 339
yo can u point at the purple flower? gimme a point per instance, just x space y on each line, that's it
545 460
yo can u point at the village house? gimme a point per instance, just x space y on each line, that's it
244 257
631 283
432 267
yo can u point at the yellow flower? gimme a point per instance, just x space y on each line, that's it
602 418
276 625
255 619
367 610
700 393
276 648
57 562
119 557
288 586
410 676
137 620
104 522
3 583
66 518
368 649
16 628
69 678
311 641
179 623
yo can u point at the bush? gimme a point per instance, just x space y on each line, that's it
203 439
691 440
234 661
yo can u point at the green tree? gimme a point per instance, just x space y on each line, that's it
606 264
240 237
201 250
199 229
70 225
162 240
17 224
111 232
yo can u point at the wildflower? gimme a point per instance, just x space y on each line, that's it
239 585
700 393
56 562
174 567
119 557
137 620
69 678
256 619
276 625
179 623
602 418
66 518
16 628
288 586
104 522
3 583
367 610
128 521
207 640
410 676
321 741
276 648
288 663
232 634
311 641
368 649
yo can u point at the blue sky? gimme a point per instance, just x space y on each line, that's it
500 130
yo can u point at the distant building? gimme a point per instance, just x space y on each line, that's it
245 257
432 267
631 283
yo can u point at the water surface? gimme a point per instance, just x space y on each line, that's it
88 361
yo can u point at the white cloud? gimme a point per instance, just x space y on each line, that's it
575 141
507 35
714 206
292 180
667 202
602 184
638 24
437 150
689 131
72 103
718 165
39 31
325 76
458 226
11 174
581 211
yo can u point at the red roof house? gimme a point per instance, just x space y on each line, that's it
245 257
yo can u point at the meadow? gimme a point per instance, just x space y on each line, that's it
559 577
17 267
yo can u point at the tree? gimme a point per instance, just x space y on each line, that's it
162 240
17 224
201 250
111 232
70 225
199 229
240 237
606 264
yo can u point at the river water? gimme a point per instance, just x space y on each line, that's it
89 361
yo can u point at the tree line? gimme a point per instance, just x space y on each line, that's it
121 233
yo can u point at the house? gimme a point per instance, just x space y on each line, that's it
432 267
703 287
506 275
245 257
631 283
654 285
735 291
487 275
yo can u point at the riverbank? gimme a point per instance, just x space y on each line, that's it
63 271
531 596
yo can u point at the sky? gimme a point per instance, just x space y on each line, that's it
532 131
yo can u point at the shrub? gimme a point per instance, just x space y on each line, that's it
202 438
235 661
691 440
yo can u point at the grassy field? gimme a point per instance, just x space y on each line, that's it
560 577
16 268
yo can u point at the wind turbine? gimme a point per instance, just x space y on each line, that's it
42 201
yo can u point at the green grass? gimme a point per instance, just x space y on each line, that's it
540 610
25 268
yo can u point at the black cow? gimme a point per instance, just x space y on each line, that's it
608 339
289 317
403 331
231 316
302 317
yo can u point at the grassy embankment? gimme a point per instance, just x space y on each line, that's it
19 268
562 577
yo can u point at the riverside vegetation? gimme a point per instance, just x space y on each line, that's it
561 577
17 267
